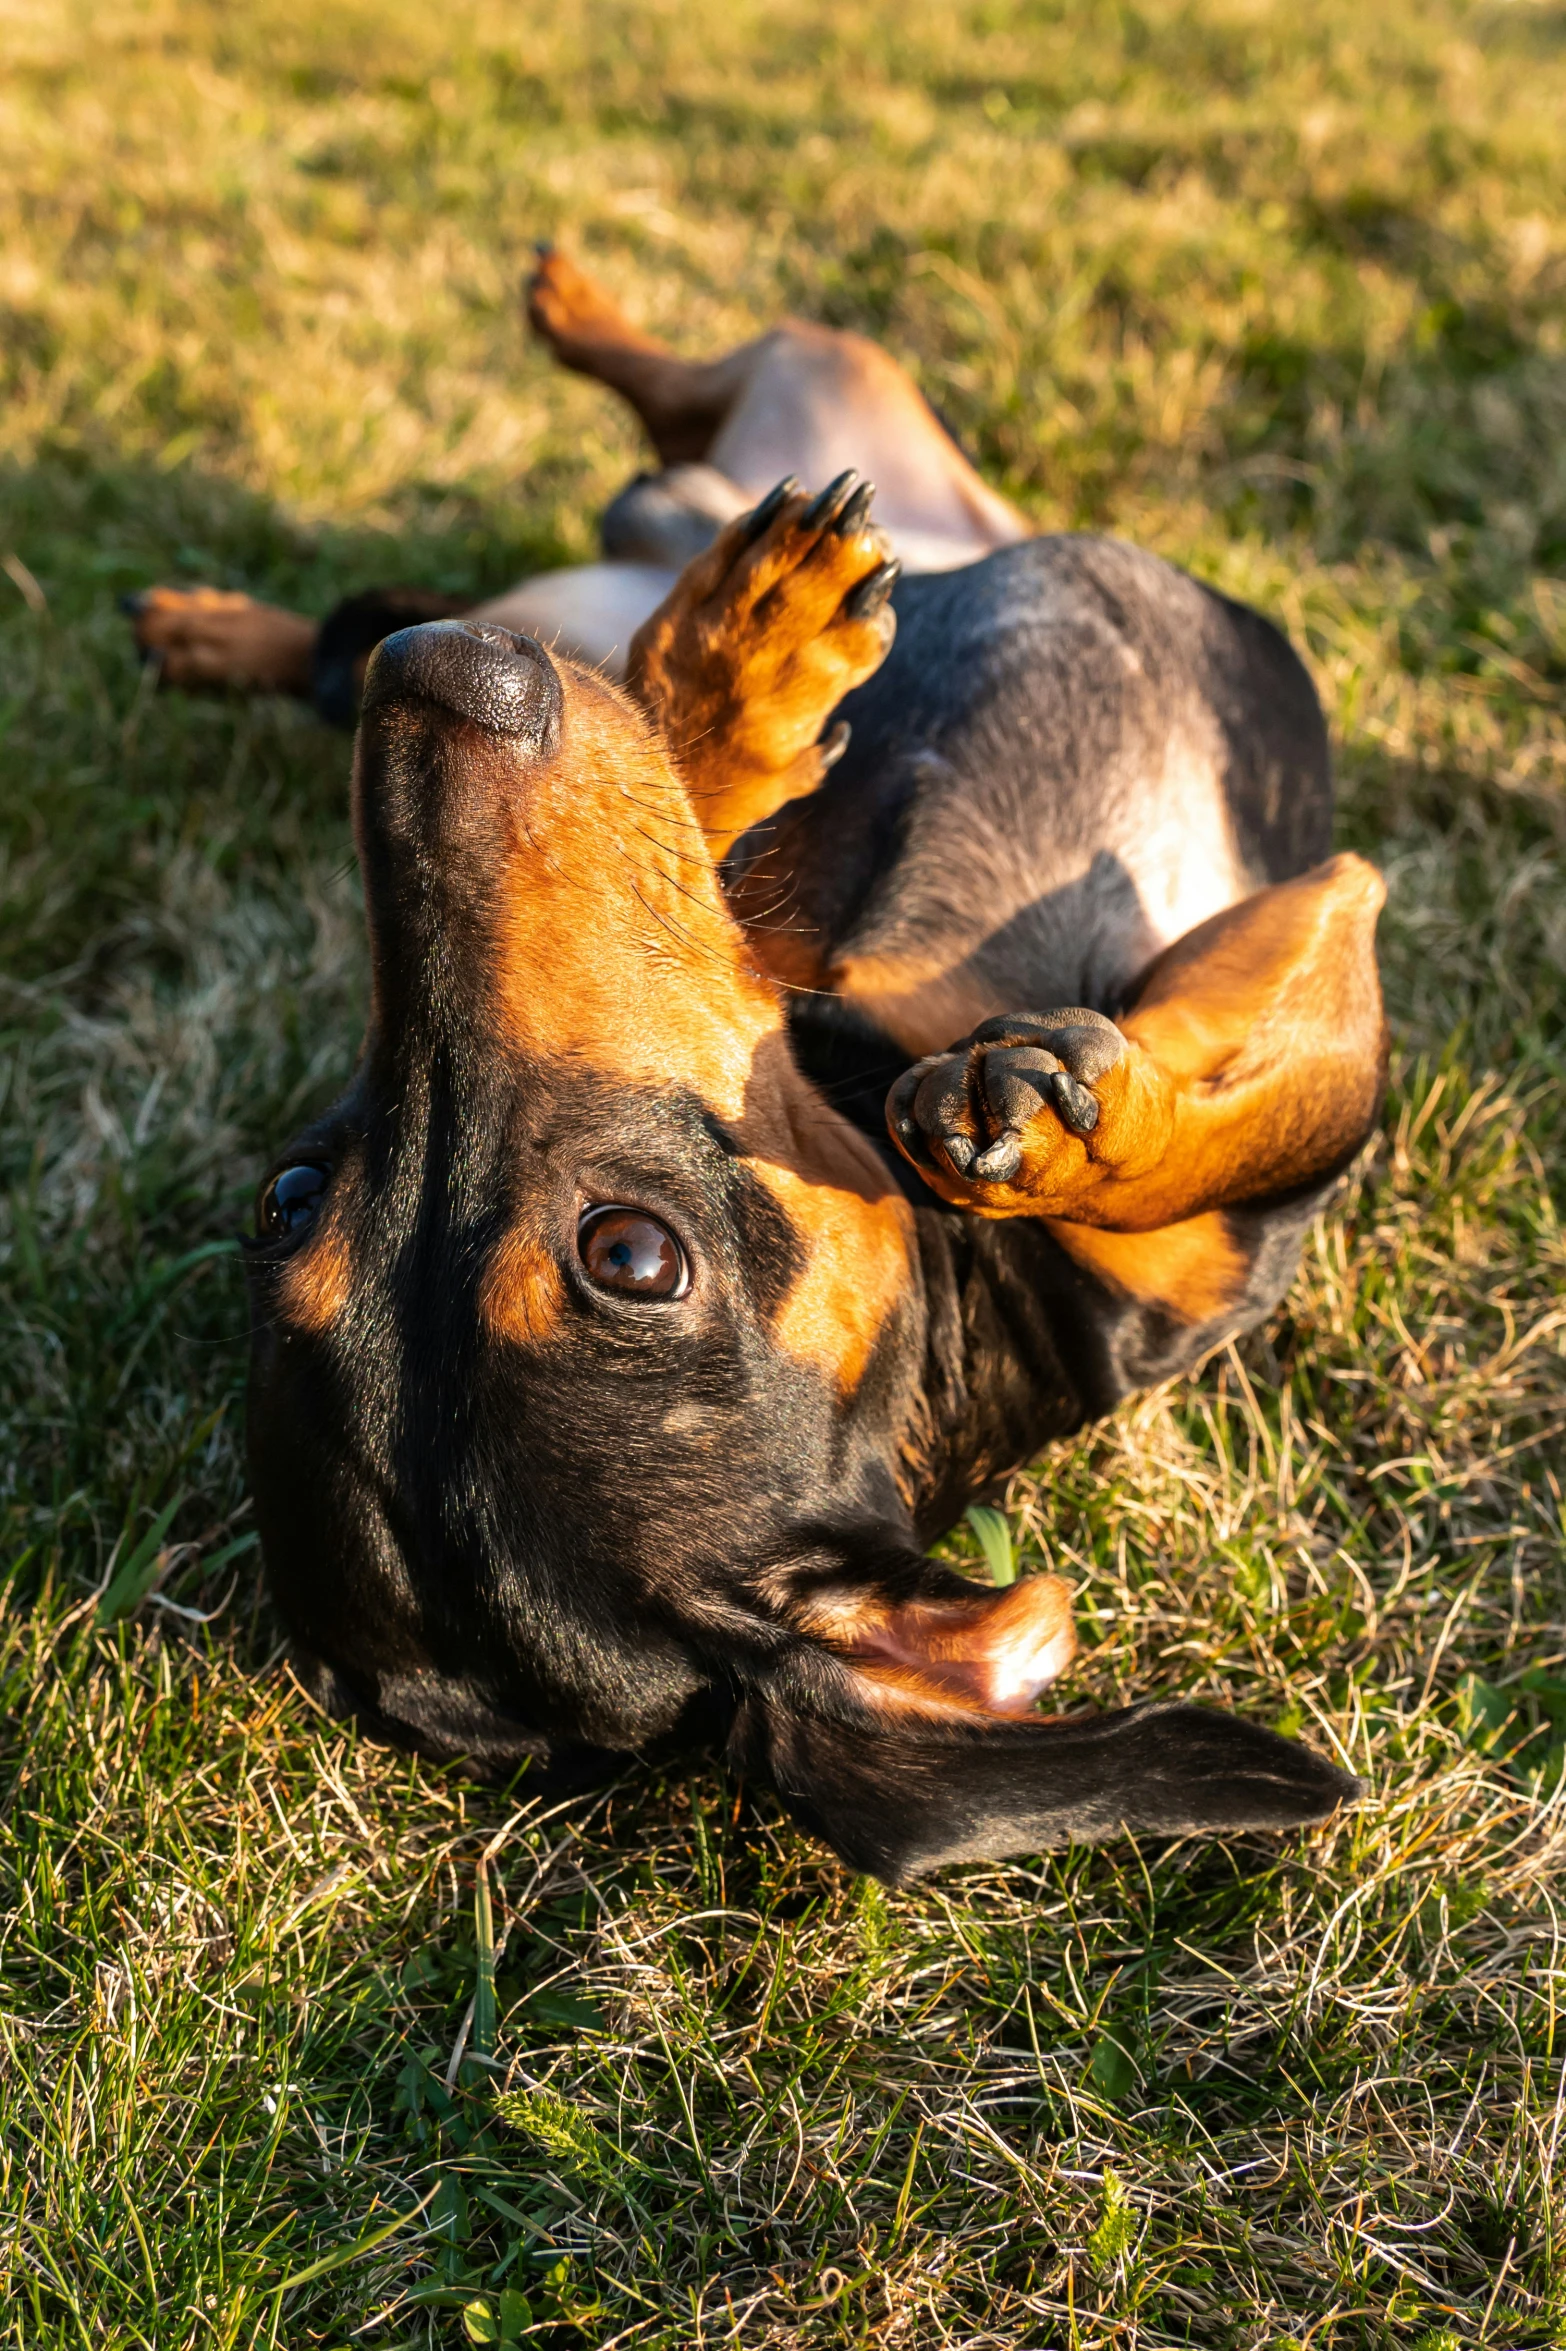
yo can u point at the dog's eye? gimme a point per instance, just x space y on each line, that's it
289 1201
623 1249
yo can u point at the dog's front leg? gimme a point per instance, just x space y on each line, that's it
758 642
1248 1071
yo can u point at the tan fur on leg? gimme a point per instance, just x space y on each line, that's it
213 637
1251 1063
757 644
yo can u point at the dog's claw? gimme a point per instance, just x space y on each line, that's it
824 509
999 1106
771 506
835 744
855 511
871 595
1076 1105
1001 1161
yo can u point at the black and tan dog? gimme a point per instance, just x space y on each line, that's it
766 1137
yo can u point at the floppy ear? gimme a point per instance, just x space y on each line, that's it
899 1794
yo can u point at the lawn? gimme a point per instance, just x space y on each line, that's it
307 2044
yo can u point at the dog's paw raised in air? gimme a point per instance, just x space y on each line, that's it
570 310
1032 1114
760 639
214 637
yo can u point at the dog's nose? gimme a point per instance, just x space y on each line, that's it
473 668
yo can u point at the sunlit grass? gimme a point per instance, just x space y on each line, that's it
1279 293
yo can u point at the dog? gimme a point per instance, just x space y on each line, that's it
856 993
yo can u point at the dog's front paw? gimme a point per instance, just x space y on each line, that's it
760 639
800 610
1032 1114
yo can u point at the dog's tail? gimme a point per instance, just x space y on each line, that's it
896 1797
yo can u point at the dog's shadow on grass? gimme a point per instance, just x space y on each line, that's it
91 525
114 788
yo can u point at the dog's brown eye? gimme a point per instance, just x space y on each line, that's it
289 1201
627 1251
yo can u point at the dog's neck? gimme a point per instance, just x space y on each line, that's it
998 1376
1000 1355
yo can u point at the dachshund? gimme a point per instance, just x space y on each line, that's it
856 993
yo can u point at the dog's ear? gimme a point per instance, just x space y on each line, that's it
897 1792
923 1637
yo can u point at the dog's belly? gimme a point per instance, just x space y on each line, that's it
984 920
589 611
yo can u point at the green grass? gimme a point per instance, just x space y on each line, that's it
1279 292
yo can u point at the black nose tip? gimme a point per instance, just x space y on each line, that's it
472 667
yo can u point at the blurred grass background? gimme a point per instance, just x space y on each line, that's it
1280 293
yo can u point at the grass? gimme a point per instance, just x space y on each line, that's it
304 2044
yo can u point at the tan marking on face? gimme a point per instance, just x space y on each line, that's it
315 1284
614 944
1196 1269
856 1268
522 1294
616 949
855 1226
989 1655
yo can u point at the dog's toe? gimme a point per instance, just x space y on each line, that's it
1084 1044
1076 1105
1000 1162
829 507
872 595
762 517
852 516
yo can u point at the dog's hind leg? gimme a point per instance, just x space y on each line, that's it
680 402
803 399
218 639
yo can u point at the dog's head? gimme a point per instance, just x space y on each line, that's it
587 1337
